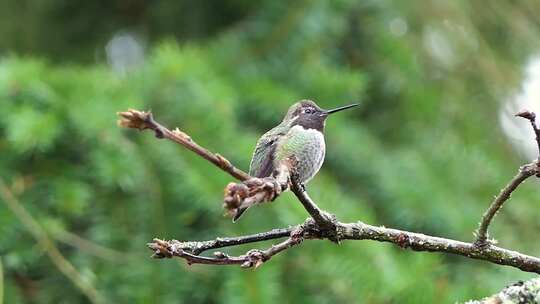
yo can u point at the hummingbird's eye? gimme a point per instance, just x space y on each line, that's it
308 111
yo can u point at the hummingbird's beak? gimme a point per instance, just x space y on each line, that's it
328 112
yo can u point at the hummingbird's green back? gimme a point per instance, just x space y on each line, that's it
262 161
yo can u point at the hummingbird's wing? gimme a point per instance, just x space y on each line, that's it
262 162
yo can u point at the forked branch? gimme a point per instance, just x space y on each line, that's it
323 225
525 172
323 219
252 258
310 230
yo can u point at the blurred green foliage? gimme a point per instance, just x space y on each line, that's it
423 153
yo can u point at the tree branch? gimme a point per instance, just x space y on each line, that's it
347 231
144 120
43 240
89 247
253 258
322 218
422 242
198 247
323 225
531 117
249 192
525 172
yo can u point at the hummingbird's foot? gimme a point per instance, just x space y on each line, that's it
303 186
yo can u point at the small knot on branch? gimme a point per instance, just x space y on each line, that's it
402 240
531 169
181 134
250 192
254 258
484 243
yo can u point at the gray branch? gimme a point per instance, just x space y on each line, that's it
422 242
347 231
198 247
525 172
322 218
323 225
253 258
518 293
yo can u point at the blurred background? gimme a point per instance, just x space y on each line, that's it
433 141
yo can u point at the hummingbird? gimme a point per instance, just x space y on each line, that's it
297 143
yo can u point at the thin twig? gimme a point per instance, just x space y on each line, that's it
144 120
253 258
531 117
525 172
48 246
89 247
322 218
198 247
249 192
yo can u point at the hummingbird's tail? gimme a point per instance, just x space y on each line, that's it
239 213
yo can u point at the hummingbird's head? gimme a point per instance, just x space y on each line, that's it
309 115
